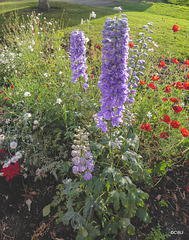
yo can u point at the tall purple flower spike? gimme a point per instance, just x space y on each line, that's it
77 56
114 76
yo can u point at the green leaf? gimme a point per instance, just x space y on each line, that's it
114 198
125 222
143 215
131 229
46 210
124 199
84 232
107 186
133 139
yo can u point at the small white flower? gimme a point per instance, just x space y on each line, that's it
30 48
13 145
150 50
60 72
82 21
141 33
86 39
33 43
18 154
2 137
35 122
27 116
150 24
93 14
14 159
45 74
1 130
27 94
149 115
7 121
58 100
117 9
155 45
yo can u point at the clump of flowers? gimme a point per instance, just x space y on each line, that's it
114 72
77 56
81 155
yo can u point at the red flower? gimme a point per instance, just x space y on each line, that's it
184 131
177 109
163 135
151 85
187 189
187 75
92 75
98 46
149 97
36 96
186 85
179 85
47 85
186 62
166 119
3 111
155 78
168 89
182 66
6 99
161 64
151 163
173 84
91 53
12 86
176 28
163 56
146 126
142 82
131 45
175 100
11 171
165 99
174 60
175 124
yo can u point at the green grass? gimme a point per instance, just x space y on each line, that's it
164 16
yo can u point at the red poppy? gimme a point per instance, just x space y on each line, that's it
161 64
163 56
165 99
151 163
168 89
98 46
146 126
179 85
175 28
177 109
11 171
173 84
187 75
186 85
91 53
184 131
166 119
175 124
149 97
37 96
131 45
186 62
174 60
163 135
155 78
175 100
151 85
182 66
142 82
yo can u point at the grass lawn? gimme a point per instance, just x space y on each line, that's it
164 16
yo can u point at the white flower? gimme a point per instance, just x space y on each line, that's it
93 14
1 130
27 94
149 115
117 9
155 45
2 137
82 21
33 43
30 48
18 154
60 72
150 24
58 100
14 159
45 74
27 116
13 145
7 121
150 50
86 39
35 122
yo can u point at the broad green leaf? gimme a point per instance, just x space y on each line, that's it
143 215
124 199
125 222
133 140
131 229
46 210
84 232
114 198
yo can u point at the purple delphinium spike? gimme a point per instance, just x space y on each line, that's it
77 56
114 73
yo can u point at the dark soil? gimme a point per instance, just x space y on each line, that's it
18 223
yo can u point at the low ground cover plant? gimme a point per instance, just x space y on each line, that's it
104 117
